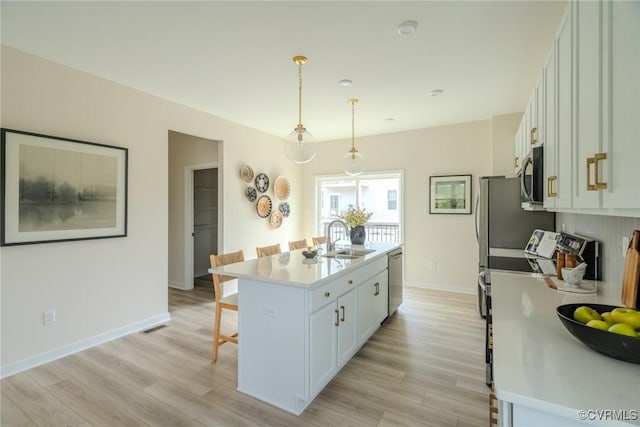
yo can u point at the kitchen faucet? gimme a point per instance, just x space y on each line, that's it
332 245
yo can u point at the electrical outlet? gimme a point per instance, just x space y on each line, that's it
49 317
270 311
625 246
433 265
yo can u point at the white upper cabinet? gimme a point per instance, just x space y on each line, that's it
587 102
589 110
621 104
563 112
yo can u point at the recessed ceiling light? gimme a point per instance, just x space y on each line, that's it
345 83
389 120
407 27
436 92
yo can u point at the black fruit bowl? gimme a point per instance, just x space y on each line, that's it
618 346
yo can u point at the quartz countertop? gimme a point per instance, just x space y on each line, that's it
293 269
539 364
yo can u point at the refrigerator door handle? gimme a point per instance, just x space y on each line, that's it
476 219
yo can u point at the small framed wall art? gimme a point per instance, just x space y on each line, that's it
450 194
57 189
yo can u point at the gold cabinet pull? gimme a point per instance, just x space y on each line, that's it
337 318
533 136
377 292
515 162
590 161
550 181
327 294
595 160
597 157
342 308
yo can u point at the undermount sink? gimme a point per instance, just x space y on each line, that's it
348 253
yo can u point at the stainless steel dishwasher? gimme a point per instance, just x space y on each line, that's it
396 279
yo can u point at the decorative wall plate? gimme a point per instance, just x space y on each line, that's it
251 194
281 188
246 173
276 219
263 206
262 182
285 209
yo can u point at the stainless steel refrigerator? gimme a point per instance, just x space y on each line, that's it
503 230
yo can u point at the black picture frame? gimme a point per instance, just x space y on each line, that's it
58 189
450 194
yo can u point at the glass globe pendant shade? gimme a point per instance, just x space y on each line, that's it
353 163
300 146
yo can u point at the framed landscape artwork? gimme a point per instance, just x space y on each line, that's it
57 189
450 194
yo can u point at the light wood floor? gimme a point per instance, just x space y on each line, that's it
424 367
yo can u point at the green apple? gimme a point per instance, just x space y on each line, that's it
626 315
598 324
584 313
606 316
623 329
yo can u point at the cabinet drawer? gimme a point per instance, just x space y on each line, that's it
332 290
372 269
324 294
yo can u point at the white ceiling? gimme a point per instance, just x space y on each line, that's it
233 59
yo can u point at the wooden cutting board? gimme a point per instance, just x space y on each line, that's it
630 294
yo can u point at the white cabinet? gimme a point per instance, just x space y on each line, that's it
587 102
551 169
344 314
347 327
373 301
333 339
564 111
324 347
607 103
621 104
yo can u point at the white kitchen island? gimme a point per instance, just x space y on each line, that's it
300 320
543 375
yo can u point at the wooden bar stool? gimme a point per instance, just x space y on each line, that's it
227 302
298 244
268 250
321 240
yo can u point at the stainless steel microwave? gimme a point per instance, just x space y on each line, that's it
532 180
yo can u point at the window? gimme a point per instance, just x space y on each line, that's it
334 205
376 192
392 199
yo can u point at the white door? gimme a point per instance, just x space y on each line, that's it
323 344
347 331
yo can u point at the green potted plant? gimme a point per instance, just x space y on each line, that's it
356 218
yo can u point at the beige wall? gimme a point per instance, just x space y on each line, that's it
445 241
184 150
103 288
504 129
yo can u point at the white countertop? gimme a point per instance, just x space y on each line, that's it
292 268
539 364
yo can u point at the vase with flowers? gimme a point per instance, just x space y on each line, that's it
356 218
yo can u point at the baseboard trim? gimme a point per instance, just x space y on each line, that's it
440 287
58 353
178 285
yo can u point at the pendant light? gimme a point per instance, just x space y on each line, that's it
299 145
353 161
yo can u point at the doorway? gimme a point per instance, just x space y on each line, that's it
195 207
205 221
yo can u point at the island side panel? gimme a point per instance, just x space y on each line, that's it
273 341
